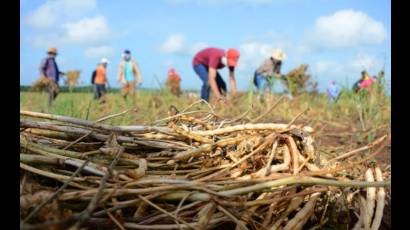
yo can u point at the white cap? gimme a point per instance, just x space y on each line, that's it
104 61
279 55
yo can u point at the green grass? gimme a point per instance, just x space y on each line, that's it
362 111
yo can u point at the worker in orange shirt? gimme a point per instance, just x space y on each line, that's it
101 80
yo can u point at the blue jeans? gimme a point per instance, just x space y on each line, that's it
202 72
262 83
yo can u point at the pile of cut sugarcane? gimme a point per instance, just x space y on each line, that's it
184 172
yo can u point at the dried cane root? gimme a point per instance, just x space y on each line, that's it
206 214
371 198
380 202
303 215
363 214
294 204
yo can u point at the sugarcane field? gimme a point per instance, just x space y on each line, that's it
132 121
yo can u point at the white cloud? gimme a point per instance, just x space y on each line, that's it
71 6
252 54
99 52
214 2
324 66
347 28
197 47
43 41
349 68
175 43
87 31
47 14
42 17
365 61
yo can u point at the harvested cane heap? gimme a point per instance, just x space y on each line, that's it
189 174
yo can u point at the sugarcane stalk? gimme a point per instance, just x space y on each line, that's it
95 125
235 128
101 137
29 158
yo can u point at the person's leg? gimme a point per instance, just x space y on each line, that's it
202 72
260 85
50 95
265 86
56 90
270 85
95 91
132 90
268 90
124 90
103 93
259 80
221 84
98 91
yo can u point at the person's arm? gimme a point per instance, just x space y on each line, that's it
106 80
104 72
212 83
276 70
138 77
120 73
232 80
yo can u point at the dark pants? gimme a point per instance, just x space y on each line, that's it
100 88
202 72
95 91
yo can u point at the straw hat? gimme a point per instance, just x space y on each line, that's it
279 55
52 50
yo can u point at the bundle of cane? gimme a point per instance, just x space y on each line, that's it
191 172
44 83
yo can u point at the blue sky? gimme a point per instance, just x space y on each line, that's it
336 38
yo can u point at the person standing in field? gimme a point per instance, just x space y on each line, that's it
364 83
333 91
270 68
101 80
93 83
49 70
129 75
173 82
205 64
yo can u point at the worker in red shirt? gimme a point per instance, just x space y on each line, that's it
173 82
205 64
